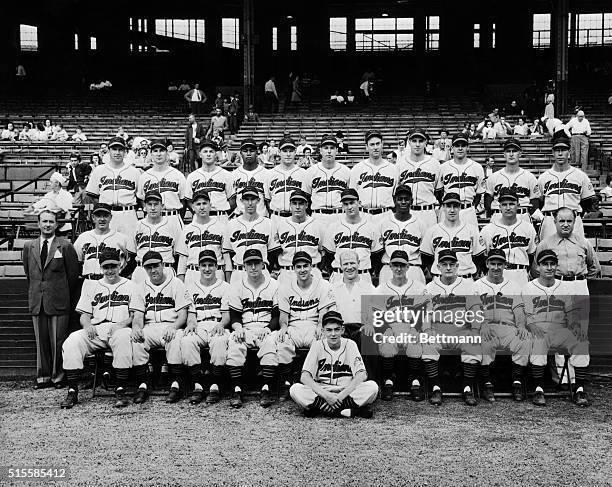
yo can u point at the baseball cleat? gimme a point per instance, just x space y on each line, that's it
264 399
196 397
365 412
581 399
517 392
174 395
213 397
120 399
141 395
71 399
284 393
387 392
311 412
416 393
236 400
106 377
538 398
488 394
436 398
468 398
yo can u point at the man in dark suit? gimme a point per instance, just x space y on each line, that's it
195 133
52 269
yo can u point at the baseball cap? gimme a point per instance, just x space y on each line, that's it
332 317
560 140
349 194
207 255
340 134
153 195
286 142
248 142
512 143
208 143
460 138
403 189
252 254
507 194
497 254
109 256
151 257
286 133
399 257
328 139
451 198
158 143
373 133
101 208
417 132
447 254
302 256
298 194
249 191
547 255
200 194
117 141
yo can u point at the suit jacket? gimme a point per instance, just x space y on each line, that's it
200 134
53 283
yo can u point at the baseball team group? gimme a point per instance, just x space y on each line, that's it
283 259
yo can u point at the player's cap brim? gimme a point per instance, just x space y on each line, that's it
251 194
451 200
149 262
102 210
298 197
507 197
548 257
207 258
252 258
497 257
562 145
349 197
460 139
398 260
447 257
417 134
512 145
333 320
109 261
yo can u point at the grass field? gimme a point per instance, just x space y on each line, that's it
404 444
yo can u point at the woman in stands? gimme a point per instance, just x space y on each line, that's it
472 132
48 128
262 158
9 133
94 161
38 134
24 135
537 130
488 132
141 159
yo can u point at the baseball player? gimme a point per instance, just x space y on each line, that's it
207 320
517 238
283 180
325 182
334 379
302 302
353 232
298 233
375 179
400 292
563 186
155 232
512 176
450 296
504 324
253 175
203 233
554 324
165 179
420 172
253 304
402 230
454 234
463 176
214 180
160 306
106 319
115 183
248 231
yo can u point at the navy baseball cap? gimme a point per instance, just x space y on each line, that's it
560 140
209 143
248 142
249 191
200 195
460 138
207 255
547 255
158 143
109 256
399 257
332 317
151 257
349 194
497 254
102 208
252 254
117 141
301 256
512 144
286 142
298 194
451 198
153 195
417 132
403 189
370 134
447 254
329 139
507 194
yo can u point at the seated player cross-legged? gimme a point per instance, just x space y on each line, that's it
333 378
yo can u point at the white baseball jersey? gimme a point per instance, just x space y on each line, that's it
518 241
258 178
500 301
564 189
283 182
467 180
197 237
463 239
218 184
325 185
242 235
411 295
305 305
255 304
208 302
107 302
406 236
523 182
547 305
294 237
362 237
161 304
375 184
114 186
461 295
89 245
170 183
333 367
161 237
421 177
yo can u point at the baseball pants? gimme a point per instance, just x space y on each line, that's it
77 346
125 222
562 338
548 227
154 337
300 336
364 393
428 217
415 273
237 351
505 337
391 349
192 342
471 353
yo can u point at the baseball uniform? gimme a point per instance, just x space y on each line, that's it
522 182
294 237
257 178
375 185
281 183
161 237
406 236
467 180
325 186
219 185
422 178
171 184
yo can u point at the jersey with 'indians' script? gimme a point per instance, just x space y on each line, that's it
362 237
333 367
459 296
258 178
467 180
375 184
89 245
242 235
281 183
518 241
255 304
410 296
294 237
326 185
406 236
197 237
218 184
107 302
564 189
161 237
547 306
522 182
170 184
161 304
421 177
208 302
500 301
305 305
114 186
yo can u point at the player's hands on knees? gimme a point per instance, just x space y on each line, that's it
91 332
191 326
485 331
367 330
318 332
282 334
263 333
580 333
218 330
536 331
239 335
522 333
169 334
137 335
112 328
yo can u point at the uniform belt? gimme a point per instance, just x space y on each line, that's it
195 267
122 208
463 206
422 207
212 318
552 213
217 212
170 212
375 211
281 213
519 210
467 276
166 264
360 271
287 267
571 278
93 277
516 266
328 211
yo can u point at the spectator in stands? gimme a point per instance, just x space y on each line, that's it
48 128
251 115
38 134
554 125
445 142
196 99
9 133
594 211
226 105
350 98
184 86
401 149
79 172
273 161
502 128
306 160
270 95
173 156
514 109
122 133
366 90
79 136
296 92
223 155
536 130
494 116
549 108
607 191
521 128
217 122
195 133
472 132
58 201
342 146
24 135
233 120
488 132
216 137
61 135
301 146
103 153
172 86
488 167
580 129
273 149
262 158
392 157
94 161
440 153
336 100
142 160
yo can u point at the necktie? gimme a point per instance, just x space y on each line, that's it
44 252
